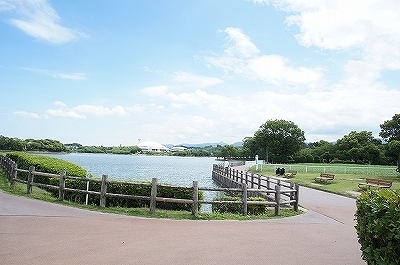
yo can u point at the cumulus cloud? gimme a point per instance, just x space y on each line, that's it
368 26
81 111
243 58
155 91
100 110
65 113
27 114
276 70
38 19
60 103
192 80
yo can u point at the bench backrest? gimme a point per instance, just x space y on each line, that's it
327 175
383 182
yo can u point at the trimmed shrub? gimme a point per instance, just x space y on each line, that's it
236 208
378 226
46 164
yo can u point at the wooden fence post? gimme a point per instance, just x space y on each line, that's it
30 180
244 198
259 181
153 195
14 174
87 189
195 206
61 188
296 195
252 179
103 191
241 176
277 199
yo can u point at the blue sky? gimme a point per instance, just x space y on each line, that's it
112 72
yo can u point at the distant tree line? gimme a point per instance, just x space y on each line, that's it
276 141
44 145
207 151
282 141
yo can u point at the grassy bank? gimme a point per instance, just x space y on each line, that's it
37 193
343 183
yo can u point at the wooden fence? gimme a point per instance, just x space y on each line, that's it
11 170
277 192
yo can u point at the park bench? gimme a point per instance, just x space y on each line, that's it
290 174
378 183
324 177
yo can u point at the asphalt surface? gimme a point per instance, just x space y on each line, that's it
36 232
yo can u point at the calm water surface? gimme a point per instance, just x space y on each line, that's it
167 169
180 171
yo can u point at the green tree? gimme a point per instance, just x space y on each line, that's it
280 138
390 132
360 147
229 151
321 151
390 129
250 148
14 144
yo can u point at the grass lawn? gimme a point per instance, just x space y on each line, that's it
343 183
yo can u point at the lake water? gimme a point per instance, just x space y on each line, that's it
174 170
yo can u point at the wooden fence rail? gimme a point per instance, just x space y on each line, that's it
11 170
276 191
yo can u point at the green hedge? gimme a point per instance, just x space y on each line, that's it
46 164
378 226
55 166
236 208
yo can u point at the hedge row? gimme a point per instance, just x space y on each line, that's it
236 208
378 226
55 166
46 164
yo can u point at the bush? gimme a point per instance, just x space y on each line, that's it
236 208
46 164
378 226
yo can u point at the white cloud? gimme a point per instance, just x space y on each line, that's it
65 113
60 103
242 58
155 91
81 111
274 69
27 114
240 44
100 110
193 80
70 76
39 20
369 26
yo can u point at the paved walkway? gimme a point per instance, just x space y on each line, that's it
36 232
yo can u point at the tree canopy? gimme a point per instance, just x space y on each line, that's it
360 147
281 138
390 129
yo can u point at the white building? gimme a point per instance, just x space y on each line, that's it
152 146
178 148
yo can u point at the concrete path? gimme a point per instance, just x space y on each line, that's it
36 232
